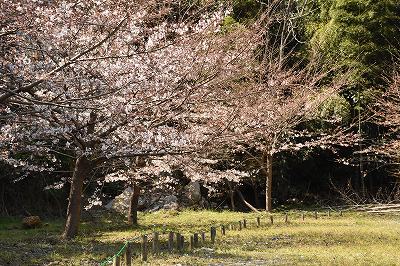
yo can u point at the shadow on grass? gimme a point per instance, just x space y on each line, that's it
103 235
39 246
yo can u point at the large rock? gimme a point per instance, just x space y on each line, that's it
170 199
152 202
121 202
170 203
31 222
193 191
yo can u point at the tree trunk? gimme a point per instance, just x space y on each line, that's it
246 203
133 205
356 184
255 193
268 183
232 198
81 171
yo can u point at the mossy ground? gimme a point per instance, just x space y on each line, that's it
353 239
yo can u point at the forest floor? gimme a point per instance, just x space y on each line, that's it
351 239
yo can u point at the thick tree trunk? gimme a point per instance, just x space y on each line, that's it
133 205
268 183
81 171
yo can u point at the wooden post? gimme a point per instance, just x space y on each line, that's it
213 233
144 248
178 241
329 213
240 225
182 243
272 219
258 221
315 215
196 240
191 247
203 237
171 241
286 218
116 261
244 223
128 254
223 229
155 243
302 216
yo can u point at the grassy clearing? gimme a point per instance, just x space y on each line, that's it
354 239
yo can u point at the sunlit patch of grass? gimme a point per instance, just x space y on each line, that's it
354 239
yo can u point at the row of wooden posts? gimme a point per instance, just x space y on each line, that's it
177 240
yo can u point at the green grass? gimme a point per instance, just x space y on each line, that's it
354 239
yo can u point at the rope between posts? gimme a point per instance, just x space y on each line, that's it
123 247
119 253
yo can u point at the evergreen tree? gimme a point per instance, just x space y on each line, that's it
362 35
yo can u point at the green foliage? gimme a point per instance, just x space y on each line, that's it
358 34
366 97
228 24
244 10
336 108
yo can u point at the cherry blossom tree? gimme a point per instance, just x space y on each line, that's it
105 83
268 103
260 108
387 114
99 81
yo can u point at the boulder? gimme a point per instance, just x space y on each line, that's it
150 202
193 191
170 199
170 202
31 222
121 202
171 206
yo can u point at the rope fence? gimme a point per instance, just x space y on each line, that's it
176 241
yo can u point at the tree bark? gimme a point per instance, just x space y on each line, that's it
246 203
133 205
268 183
255 193
81 171
232 196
